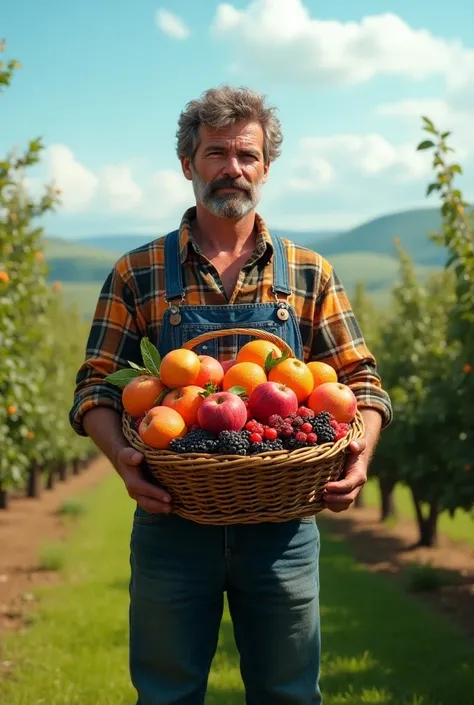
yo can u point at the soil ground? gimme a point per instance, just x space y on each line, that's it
25 527
29 524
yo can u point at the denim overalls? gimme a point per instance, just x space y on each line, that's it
180 570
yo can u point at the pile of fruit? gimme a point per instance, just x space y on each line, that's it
260 402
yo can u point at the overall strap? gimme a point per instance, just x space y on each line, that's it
173 272
281 279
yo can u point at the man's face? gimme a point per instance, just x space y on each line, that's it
228 169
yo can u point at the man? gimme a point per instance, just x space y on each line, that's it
223 268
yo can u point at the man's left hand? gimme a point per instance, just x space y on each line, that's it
339 496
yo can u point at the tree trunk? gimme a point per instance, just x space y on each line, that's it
63 472
33 487
76 466
388 509
50 482
3 498
427 525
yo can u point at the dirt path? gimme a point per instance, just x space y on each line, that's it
24 528
389 550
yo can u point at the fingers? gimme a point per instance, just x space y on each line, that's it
357 446
354 478
152 506
139 488
339 503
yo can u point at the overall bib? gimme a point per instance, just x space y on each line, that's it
180 570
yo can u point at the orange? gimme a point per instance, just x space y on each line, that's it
141 394
160 426
257 351
11 410
322 372
186 401
296 375
244 374
179 368
4 278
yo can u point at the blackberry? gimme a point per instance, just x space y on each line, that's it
198 441
294 444
322 427
233 442
265 446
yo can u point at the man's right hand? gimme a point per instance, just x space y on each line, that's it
148 496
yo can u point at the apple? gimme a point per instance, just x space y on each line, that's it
210 371
227 364
222 411
270 398
186 401
160 425
336 398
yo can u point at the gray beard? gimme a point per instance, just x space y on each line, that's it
227 205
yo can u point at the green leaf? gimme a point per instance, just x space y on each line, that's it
161 396
210 388
137 367
445 134
433 187
240 391
122 377
426 144
271 362
151 356
427 121
456 168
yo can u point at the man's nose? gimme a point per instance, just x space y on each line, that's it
233 168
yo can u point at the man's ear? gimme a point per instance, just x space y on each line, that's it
266 170
186 167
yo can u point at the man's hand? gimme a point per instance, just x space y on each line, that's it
339 496
150 497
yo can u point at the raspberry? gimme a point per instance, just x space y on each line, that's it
305 413
297 421
307 428
300 436
138 421
341 431
256 438
250 425
259 428
333 423
287 430
270 434
312 438
275 421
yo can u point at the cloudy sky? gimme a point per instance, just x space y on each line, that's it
103 84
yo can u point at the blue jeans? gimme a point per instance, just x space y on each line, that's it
180 573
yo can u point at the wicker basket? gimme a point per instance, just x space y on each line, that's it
229 489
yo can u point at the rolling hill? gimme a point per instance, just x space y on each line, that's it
364 253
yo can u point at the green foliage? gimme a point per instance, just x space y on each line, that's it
40 341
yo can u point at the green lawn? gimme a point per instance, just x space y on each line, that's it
380 645
460 527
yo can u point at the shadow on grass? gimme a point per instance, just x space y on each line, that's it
381 645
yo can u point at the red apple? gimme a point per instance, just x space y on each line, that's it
336 398
227 364
222 411
271 398
210 371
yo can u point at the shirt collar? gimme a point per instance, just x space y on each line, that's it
186 240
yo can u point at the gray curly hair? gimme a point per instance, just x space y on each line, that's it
221 107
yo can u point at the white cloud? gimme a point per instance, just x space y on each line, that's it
280 38
445 117
326 163
77 183
168 193
171 24
121 191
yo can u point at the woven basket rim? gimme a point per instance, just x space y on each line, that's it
325 451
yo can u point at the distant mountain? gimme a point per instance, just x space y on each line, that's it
124 243
376 236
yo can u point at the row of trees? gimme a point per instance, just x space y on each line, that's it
424 345
41 342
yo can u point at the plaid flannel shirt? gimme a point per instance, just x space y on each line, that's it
132 302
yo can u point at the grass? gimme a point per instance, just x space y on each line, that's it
72 508
380 645
52 557
460 527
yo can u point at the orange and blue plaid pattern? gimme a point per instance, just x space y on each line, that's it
132 302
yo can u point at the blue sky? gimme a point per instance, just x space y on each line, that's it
103 85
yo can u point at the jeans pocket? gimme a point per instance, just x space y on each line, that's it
143 517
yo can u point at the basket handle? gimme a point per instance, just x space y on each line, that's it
263 335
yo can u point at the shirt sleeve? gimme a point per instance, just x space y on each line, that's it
114 339
338 341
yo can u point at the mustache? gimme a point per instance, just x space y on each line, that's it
227 182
